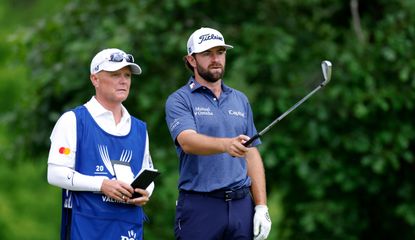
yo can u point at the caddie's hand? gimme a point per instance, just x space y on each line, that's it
140 201
262 222
117 189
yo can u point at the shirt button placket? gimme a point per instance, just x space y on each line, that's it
216 101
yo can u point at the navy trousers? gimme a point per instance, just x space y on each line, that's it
203 217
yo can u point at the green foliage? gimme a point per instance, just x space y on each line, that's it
16 91
30 209
339 167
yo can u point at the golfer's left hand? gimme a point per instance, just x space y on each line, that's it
262 222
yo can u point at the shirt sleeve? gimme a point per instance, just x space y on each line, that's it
179 115
61 160
63 141
68 178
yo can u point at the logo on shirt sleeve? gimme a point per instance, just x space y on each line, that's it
64 150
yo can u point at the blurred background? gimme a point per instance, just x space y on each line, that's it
341 166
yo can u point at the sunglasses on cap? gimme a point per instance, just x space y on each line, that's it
117 57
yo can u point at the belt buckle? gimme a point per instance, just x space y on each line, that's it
228 195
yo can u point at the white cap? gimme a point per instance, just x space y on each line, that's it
113 59
204 39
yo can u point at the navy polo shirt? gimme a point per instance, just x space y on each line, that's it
195 107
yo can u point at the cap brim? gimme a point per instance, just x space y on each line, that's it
114 66
209 46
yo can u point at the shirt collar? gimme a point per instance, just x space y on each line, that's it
194 85
97 110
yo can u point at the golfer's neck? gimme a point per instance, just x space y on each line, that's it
215 87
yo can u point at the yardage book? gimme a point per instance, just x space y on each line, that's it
143 179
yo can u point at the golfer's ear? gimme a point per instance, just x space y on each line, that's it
191 60
94 79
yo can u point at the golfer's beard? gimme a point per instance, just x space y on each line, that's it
208 76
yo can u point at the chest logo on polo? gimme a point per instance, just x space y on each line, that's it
236 113
202 111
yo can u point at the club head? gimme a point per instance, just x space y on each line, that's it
326 68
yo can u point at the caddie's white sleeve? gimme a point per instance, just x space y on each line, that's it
63 141
148 163
61 160
67 178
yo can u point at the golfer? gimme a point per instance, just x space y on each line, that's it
222 192
96 150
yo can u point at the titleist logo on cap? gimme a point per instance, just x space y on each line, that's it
206 37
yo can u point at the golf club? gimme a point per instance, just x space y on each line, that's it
326 68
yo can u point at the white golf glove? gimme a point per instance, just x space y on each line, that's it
262 222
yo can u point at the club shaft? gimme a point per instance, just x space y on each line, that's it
258 135
289 110
326 68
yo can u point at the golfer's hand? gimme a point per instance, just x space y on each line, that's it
262 222
235 146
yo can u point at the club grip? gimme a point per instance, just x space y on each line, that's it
253 138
